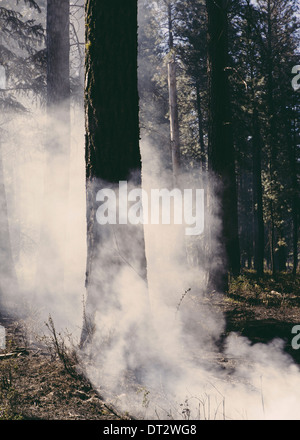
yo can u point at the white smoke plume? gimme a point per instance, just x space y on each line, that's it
24 164
155 349
171 367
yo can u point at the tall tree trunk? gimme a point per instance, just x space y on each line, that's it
50 274
221 147
112 150
271 130
173 105
292 144
295 231
272 240
200 128
295 207
174 123
259 241
281 255
257 144
58 55
246 223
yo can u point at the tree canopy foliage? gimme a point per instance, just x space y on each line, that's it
263 47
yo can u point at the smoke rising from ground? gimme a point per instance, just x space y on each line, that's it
155 350
25 164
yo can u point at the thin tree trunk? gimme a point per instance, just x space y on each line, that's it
58 54
200 128
295 208
271 131
281 251
295 200
272 241
257 143
295 234
259 240
173 105
174 123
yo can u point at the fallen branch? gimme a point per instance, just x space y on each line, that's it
13 354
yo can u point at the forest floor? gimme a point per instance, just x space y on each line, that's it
265 309
40 381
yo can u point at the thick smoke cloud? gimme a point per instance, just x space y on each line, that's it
155 347
175 370
155 350
25 163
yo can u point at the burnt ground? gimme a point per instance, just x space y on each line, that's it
38 384
40 381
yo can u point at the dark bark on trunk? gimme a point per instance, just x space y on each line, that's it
295 202
272 241
58 48
281 255
221 147
246 227
200 128
112 146
111 95
174 122
291 135
259 240
173 105
58 78
271 132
